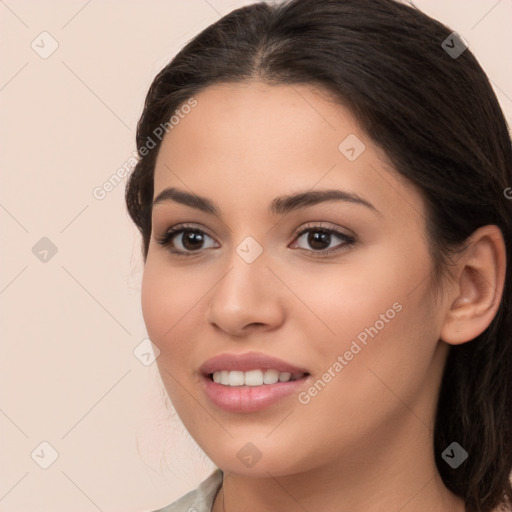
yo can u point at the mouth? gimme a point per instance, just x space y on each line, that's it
251 382
258 377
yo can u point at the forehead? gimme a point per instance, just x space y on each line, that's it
257 121
245 141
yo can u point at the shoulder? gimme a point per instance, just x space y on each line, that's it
200 499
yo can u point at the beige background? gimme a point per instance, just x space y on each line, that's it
70 324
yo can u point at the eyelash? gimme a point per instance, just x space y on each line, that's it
166 238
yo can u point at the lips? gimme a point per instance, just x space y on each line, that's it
246 362
242 398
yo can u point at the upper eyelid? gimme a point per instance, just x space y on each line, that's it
178 229
320 225
303 227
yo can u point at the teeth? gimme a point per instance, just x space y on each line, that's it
234 379
253 377
270 377
284 377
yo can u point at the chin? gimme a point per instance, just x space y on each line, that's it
254 458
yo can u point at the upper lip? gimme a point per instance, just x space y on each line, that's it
246 362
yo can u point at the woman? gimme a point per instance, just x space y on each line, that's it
327 239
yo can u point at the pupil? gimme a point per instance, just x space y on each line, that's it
192 238
319 237
316 239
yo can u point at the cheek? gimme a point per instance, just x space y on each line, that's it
168 298
155 302
380 312
385 334
346 301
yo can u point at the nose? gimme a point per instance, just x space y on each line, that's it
249 297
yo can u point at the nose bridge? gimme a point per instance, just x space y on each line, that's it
245 295
246 276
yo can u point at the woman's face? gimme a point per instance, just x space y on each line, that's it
263 275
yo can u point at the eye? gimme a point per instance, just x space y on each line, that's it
320 238
184 240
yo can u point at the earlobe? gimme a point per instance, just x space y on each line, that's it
477 288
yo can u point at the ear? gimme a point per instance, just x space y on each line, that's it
477 288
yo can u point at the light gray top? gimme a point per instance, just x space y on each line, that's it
200 499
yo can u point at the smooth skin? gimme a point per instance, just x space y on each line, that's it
364 442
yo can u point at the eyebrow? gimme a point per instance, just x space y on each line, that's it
278 206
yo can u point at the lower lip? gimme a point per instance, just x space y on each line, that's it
250 398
